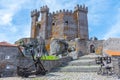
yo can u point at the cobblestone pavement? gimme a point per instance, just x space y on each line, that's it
66 76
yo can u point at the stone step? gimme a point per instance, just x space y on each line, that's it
86 62
90 56
87 57
94 68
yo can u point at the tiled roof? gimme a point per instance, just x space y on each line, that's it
113 53
6 44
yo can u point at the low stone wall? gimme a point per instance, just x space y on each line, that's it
49 64
26 62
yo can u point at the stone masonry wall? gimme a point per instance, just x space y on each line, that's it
112 44
98 44
26 62
9 60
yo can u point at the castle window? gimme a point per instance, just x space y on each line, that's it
39 26
66 22
53 24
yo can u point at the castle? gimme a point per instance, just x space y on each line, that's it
60 24
69 25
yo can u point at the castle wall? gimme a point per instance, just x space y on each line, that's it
83 32
61 24
58 26
70 27
49 28
98 46
9 60
81 46
84 46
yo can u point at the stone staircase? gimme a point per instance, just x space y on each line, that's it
83 64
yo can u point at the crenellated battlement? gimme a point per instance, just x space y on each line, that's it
81 8
44 9
63 11
35 13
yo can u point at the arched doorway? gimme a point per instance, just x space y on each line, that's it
92 49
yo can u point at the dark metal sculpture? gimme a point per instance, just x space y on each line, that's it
26 72
33 48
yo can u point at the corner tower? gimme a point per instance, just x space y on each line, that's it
34 16
44 21
80 13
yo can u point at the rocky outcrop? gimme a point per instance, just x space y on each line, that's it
58 47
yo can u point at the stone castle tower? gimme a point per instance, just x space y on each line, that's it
60 24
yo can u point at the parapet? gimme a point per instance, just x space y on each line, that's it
81 8
35 13
63 11
44 9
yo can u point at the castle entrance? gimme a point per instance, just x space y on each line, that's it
92 49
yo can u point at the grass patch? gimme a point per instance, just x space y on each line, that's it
51 57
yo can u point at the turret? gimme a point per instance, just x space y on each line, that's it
44 12
44 9
34 16
82 21
81 8
35 13
44 19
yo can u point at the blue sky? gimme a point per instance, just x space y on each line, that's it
15 20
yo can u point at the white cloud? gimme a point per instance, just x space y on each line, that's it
114 30
8 10
5 19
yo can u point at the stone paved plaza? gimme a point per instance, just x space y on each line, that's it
66 76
